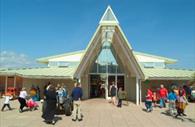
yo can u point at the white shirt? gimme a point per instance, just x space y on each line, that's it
23 94
6 99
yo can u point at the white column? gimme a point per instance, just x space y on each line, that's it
137 91
5 84
140 92
14 81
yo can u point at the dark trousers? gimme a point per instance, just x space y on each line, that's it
22 103
8 105
119 103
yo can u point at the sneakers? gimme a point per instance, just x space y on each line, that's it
80 119
73 119
20 111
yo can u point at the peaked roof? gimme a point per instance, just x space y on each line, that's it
108 17
82 52
119 40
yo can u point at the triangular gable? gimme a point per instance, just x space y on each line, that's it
119 40
108 17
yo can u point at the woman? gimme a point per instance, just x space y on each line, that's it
181 103
113 93
121 96
49 112
22 99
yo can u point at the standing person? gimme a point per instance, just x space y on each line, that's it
121 96
181 103
155 99
163 96
61 94
113 93
38 93
22 99
77 94
7 98
49 112
148 102
171 99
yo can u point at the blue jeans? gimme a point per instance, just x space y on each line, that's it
162 102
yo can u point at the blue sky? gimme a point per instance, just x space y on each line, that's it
38 28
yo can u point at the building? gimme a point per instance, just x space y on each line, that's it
108 58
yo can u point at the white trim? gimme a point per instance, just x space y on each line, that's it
123 49
88 55
109 22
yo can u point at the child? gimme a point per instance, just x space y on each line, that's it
148 102
154 99
7 98
32 104
171 99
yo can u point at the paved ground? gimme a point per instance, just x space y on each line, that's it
99 113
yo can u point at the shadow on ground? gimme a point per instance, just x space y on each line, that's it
182 118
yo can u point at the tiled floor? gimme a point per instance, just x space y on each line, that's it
100 113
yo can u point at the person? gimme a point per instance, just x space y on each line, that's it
38 93
76 95
155 99
32 105
181 103
113 93
148 102
61 94
22 99
171 99
7 98
121 96
163 96
49 112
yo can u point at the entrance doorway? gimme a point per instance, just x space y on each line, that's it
99 87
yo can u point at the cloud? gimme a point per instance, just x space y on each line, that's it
9 59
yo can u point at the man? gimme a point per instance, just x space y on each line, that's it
77 94
163 96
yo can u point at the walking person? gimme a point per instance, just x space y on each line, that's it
121 96
163 96
148 101
49 112
22 99
7 98
172 99
77 94
181 103
113 93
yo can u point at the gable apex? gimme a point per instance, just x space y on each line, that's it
109 17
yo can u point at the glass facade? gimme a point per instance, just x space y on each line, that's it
106 61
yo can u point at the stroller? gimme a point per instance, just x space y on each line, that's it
64 103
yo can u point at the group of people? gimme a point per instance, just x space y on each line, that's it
176 99
55 96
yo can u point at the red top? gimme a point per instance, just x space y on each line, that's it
149 95
163 92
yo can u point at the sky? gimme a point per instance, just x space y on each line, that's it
31 29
